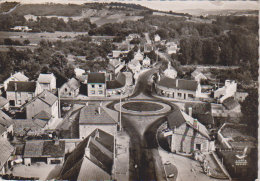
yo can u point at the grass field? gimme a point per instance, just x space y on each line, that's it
142 106
35 38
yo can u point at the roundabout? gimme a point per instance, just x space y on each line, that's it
143 107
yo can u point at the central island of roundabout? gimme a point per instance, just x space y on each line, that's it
141 107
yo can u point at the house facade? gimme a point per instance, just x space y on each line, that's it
70 88
18 93
18 76
198 75
170 72
146 62
46 101
178 88
95 117
47 81
226 91
96 84
187 134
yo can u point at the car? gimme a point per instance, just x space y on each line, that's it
170 175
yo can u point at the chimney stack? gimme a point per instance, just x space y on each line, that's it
177 82
190 111
99 110
15 86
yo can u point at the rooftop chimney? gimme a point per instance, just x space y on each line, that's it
99 110
15 86
56 142
177 82
190 111
87 150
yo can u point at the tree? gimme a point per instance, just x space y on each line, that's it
249 108
26 42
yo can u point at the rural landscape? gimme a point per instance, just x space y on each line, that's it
123 91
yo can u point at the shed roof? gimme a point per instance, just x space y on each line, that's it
182 84
5 120
96 78
230 103
22 86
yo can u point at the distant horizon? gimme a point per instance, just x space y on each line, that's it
177 6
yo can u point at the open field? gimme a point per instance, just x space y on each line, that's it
35 38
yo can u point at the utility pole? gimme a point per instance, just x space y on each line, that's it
59 102
120 114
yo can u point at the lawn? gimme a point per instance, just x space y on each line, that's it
142 106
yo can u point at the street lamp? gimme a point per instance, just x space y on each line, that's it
120 114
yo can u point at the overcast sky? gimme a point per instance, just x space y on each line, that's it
168 5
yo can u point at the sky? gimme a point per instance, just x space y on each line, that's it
167 5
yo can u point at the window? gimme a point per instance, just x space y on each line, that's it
19 102
93 86
66 89
198 146
190 95
100 86
179 94
92 92
11 102
100 92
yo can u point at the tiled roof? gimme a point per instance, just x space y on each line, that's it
96 78
6 150
2 129
21 77
182 84
5 120
45 78
44 148
21 86
43 115
98 166
90 115
22 126
46 97
230 103
177 118
118 82
114 62
40 122
33 148
3 101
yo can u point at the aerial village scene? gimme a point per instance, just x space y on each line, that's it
129 90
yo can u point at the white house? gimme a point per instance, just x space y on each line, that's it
94 117
157 38
79 72
47 81
21 28
146 62
170 72
226 91
18 76
198 75
171 47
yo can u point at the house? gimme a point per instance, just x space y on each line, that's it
135 66
96 116
187 134
18 92
146 62
202 112
171 47
18 76
129 78
92 159
79 72
44 106
48 151
4 103
6 125
70 88
228 90
47 81
117 85
238 149
157 38
139 55
198 75
96 84
115 65
178 88
21 28
170 72
6 152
